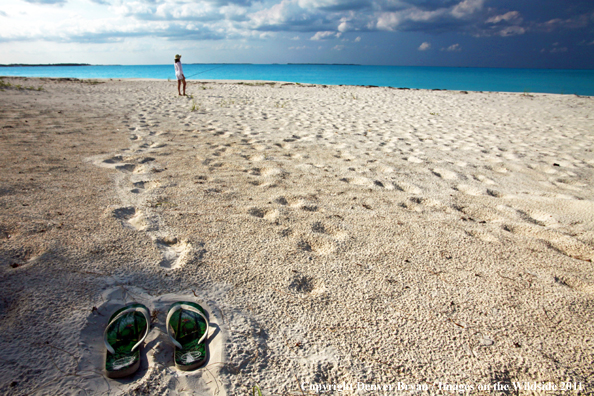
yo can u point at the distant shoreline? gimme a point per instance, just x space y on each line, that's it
44 65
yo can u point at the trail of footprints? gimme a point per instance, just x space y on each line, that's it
136 182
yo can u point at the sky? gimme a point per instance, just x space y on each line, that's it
458 33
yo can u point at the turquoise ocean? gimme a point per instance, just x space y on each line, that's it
580 82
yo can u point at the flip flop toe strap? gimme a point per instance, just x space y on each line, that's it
144 311
187 308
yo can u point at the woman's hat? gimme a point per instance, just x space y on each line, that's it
177 56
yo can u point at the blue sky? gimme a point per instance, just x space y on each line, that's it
473 33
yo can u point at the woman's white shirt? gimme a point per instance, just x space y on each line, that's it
179 73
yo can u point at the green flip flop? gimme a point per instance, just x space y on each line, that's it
123 337
187 327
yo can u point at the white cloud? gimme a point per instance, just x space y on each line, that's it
512 16
357 39
467 8
453 48
511 31
338 47
413 18
322 35
49 2
425 46
557 50
298 48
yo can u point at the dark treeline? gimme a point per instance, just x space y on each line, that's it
48 64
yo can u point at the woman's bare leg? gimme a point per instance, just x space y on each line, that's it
178 87
184 80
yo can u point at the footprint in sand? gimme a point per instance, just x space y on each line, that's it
445 174
281 201
126 168
114 160
483 236
407 187
539 218
146 185
358 181
175 253
138 221
130 217
302 284
484 179
555 240
414 160
318 243
329 229
256 157
267 214
469 190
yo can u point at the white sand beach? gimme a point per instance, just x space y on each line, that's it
335 234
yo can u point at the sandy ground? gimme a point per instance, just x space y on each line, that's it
336 235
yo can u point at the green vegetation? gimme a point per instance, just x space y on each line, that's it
227 103
92 82
6 85
527 93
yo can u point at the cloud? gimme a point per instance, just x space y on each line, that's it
466 8
299 48
452 48
338 47
425 46
511 31
51 2
314 19
461 16
113 32
2 13
289 16
558 50
170 11
336 5
512 16
322 35
575 22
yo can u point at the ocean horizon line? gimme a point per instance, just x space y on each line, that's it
280 64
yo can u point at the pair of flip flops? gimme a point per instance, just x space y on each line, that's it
187 328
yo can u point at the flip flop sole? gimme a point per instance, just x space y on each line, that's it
189 329
122 334
178 357
124 372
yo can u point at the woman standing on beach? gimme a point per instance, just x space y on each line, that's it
179 74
